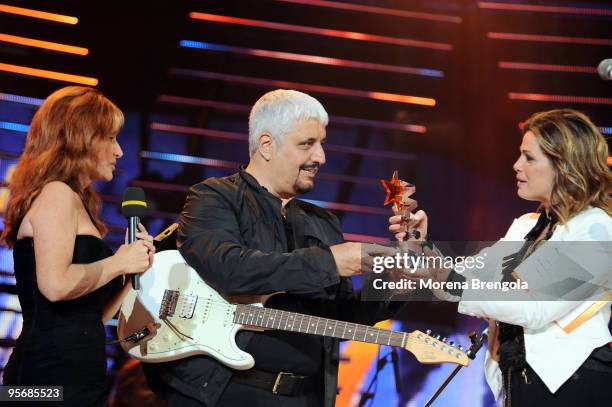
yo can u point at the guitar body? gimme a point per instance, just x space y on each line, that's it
200 321
175 314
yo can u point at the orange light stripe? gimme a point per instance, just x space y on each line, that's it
59 18
41 73
54 46
610 161
407 42
391 97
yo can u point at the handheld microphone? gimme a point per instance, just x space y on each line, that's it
605 69
133 207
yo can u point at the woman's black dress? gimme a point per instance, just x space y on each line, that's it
61 343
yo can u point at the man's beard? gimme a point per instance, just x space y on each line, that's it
301 188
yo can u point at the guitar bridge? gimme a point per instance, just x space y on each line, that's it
168 304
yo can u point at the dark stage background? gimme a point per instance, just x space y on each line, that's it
434 89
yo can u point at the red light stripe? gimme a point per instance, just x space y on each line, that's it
224 106
337 206
358 237
540 97
389 97
407 42
377 10
315 59
351 121
544 9
547 67
163 186
232 165
548 38
347 178
218 134
232 136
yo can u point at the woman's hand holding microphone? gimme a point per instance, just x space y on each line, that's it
136 257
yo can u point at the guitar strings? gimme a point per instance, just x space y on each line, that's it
222 305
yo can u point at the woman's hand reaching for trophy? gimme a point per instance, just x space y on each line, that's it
404 224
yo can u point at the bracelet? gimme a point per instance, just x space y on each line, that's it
415 233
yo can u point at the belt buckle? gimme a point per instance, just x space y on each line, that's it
279 377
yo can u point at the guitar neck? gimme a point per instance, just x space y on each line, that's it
260 317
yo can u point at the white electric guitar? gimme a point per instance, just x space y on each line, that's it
176 314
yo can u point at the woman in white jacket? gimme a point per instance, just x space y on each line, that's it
548 353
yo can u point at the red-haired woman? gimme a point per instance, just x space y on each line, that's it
68 280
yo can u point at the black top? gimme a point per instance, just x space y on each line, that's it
63 342
280 351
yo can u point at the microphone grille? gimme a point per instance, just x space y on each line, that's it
134 203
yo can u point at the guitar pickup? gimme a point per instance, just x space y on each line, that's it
188 305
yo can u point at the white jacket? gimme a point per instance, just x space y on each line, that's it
552 353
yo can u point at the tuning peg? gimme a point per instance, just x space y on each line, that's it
428 332
451 343
444 339
460 347
437 337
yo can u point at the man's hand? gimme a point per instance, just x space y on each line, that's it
354 258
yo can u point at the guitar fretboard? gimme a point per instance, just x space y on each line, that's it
290 321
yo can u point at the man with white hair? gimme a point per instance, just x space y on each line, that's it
247 234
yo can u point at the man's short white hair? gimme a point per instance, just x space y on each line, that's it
277 111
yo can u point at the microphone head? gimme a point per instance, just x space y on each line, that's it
605 69
134 203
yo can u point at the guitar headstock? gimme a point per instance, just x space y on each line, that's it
429 349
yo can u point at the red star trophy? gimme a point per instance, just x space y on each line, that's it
398 193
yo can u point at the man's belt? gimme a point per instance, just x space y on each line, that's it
283 383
